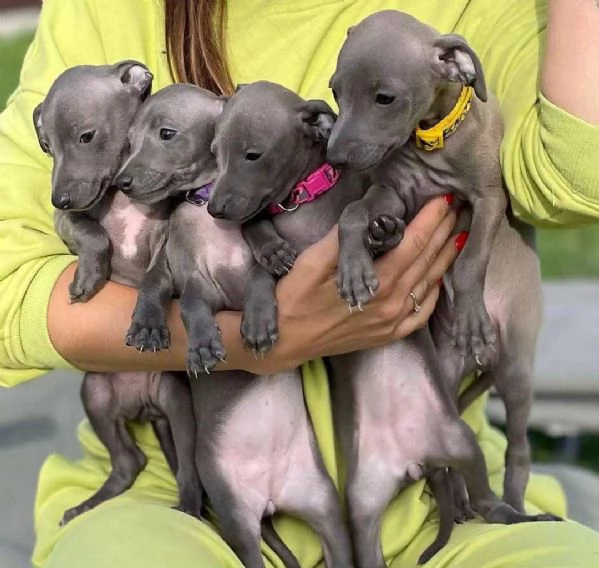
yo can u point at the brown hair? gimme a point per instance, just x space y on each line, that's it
195 43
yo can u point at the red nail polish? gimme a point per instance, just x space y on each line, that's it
449 198
440 282
460 241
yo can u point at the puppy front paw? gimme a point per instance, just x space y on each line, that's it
86 283
473 331
357 281
384 233
205 352
276 257
259 327
148 332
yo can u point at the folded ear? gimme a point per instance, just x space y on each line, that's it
240 86
456 61
37 124
317 119
136 76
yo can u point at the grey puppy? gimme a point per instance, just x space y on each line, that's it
382 100
256 449
383 119
272 143
83 124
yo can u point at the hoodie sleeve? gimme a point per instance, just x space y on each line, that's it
549 157
32 256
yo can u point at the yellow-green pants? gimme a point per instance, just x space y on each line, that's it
140 530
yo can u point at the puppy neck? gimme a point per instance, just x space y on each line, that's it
445 101
317 156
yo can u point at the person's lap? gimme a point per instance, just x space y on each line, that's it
148 535
139 528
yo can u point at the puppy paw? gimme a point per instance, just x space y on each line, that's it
357 281
86 284
473 331
259 328
205 352
276 257
148 336
384 233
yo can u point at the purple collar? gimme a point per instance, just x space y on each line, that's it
200 195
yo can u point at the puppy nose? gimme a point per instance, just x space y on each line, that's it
123 183
64 202
217 210
337 160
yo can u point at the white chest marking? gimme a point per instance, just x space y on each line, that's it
133 220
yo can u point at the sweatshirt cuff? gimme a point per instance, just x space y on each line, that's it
573 147
33 339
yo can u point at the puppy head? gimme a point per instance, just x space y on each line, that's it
264 142
83 122
389 72
169 141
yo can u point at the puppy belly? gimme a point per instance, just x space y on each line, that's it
264 450
399 416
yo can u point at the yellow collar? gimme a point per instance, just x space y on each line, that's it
433 138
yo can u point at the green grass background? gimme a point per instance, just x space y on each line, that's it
565 253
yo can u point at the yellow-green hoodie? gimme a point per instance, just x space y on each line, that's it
549 159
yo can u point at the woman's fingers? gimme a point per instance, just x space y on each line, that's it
320 260
418 268
418 320
446 256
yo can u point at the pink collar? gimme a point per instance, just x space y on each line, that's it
317 183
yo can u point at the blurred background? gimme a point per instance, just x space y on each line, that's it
40 417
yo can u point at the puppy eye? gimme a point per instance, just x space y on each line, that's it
384 99
167 133
335 95
87 137
45 147
252 156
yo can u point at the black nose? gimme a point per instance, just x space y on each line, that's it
64 202
123 183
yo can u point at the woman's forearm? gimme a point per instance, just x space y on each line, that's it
570 77
91 335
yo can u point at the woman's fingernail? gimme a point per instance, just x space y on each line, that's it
449 198
460 240
440 282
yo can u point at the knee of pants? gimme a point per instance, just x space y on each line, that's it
480 545
140 535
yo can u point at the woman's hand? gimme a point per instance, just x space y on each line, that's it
314 322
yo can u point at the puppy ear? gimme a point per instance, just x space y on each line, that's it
37 117
240 86
317 119
135 75
456 61
37 124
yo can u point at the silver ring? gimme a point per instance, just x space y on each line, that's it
417 306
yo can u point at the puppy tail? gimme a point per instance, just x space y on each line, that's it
274 541
440 484
476 388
